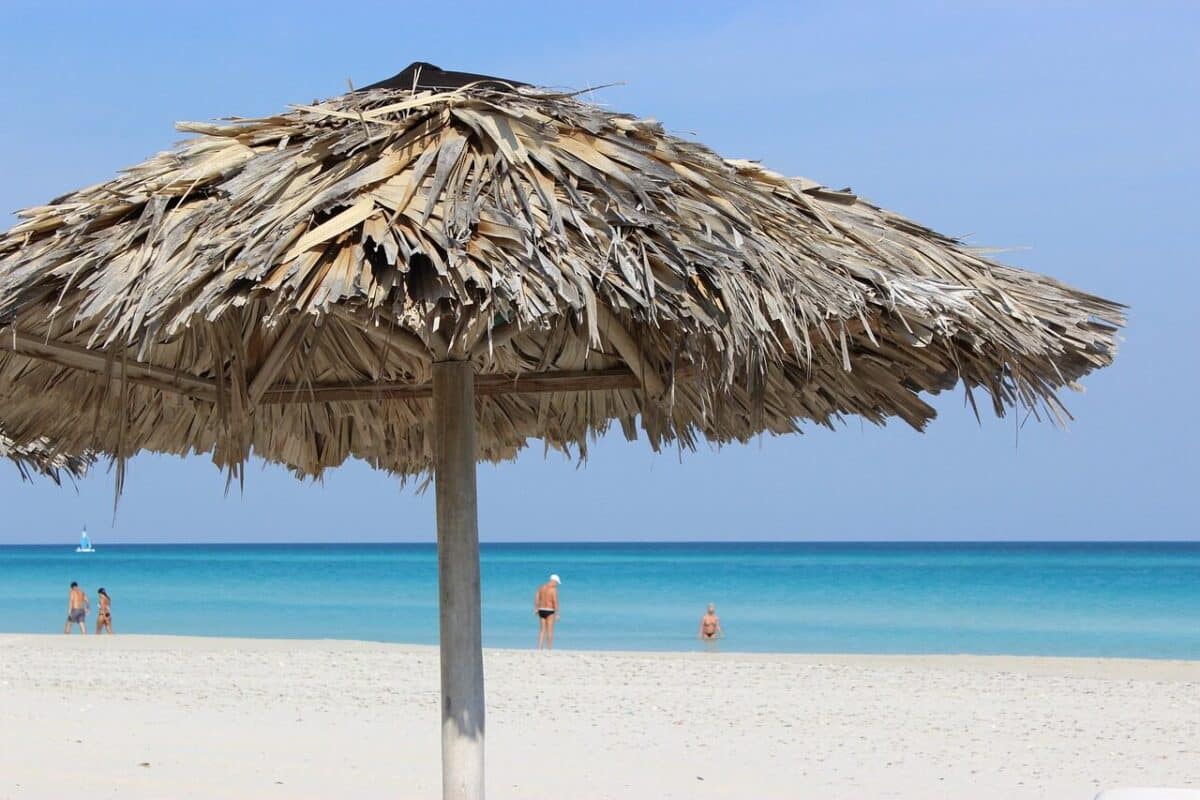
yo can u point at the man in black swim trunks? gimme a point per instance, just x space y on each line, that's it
545 605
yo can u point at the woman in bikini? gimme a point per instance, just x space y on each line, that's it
104 618
710 625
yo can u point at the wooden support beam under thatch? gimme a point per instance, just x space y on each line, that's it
97 362
526 383
204 390
283 349
630 351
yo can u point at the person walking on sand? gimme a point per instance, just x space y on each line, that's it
710 624
545 605
104 615
77 608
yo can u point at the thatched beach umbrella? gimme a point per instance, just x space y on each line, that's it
39 458
436 269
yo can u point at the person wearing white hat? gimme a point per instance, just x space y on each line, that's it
545 605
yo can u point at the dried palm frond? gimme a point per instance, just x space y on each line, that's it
39 458
283 285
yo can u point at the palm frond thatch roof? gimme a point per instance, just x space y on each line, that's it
39 458
282 285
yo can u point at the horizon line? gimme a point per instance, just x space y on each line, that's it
615 541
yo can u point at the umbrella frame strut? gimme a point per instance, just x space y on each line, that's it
458 580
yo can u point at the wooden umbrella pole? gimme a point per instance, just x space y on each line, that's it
458 578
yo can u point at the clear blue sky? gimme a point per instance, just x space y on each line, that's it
1067 131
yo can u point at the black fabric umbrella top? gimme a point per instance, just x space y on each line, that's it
423 75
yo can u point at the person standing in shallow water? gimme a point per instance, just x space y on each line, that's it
104 615
710 625
77 608
545 605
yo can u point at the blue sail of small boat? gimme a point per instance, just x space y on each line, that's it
85 544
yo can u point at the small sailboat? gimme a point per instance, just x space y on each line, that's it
85 544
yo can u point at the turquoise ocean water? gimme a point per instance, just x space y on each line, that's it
1136 600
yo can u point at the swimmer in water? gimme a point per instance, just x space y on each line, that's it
710 624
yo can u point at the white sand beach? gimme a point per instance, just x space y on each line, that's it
157 716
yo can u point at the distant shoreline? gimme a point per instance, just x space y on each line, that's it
152 641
